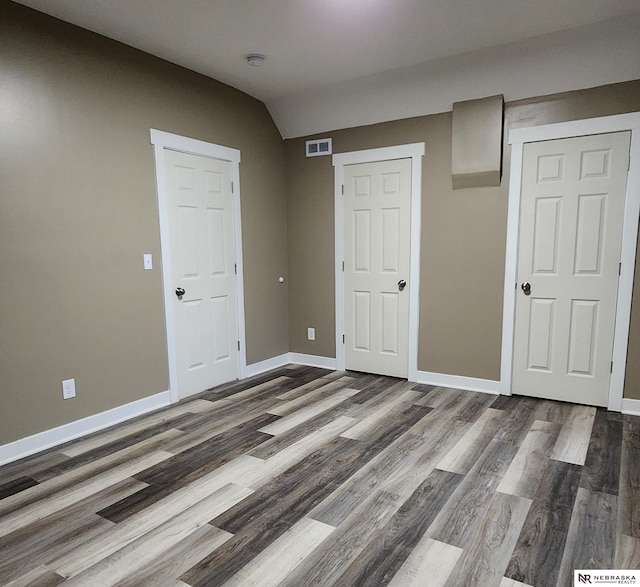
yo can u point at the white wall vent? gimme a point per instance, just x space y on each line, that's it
318 147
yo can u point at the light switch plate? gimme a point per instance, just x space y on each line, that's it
148 261
311 333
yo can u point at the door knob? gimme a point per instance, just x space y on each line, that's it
179 292
402 284
526 288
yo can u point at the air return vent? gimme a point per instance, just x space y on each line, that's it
318 147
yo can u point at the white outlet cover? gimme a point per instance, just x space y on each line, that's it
311 333
148 261
68 388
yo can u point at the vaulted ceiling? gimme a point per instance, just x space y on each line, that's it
316 46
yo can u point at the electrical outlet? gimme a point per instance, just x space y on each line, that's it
68 388
311 333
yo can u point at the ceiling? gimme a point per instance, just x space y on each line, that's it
322 43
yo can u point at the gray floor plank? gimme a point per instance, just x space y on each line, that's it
531 461
591 540
168 566
341 503
390 548
573 441
348 541
485 559
308 477
630 477
602 464
457 521
537 556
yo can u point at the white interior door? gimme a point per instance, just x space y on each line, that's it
572 205
199 194
377 227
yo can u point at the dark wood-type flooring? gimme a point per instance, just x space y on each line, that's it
308 477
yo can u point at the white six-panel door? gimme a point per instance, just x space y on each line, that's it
199 194
572 204
377 228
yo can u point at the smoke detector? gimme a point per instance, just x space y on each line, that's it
255 59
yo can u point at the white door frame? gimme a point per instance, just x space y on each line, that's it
577 128
163 140
415 152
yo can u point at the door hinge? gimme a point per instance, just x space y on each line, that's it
343 266
238 345
342 186
232 189
619 269
235 268
343 339
611 370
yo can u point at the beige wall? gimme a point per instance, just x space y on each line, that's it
78 209
463 237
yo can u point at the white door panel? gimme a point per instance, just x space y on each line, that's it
377 200
572 206
203 264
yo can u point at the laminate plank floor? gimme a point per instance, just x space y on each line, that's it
309 477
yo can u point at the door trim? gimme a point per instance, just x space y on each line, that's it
163 140
415 152
577 128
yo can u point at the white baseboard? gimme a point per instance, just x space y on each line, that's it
313 361
631 406
286 359
55 436
264 366
459 382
